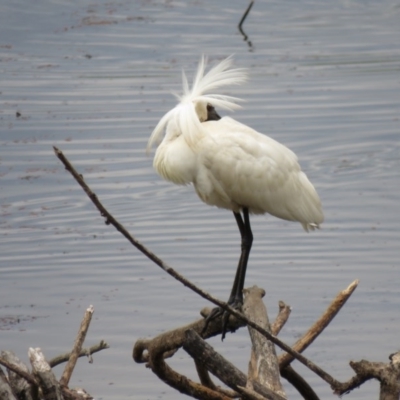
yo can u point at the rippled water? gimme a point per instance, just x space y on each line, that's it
93 78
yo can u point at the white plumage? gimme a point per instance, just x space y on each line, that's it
231 165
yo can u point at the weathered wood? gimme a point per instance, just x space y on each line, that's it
281 318
220 367
75 394
388 374
21 387
263 365
80 338
111 220
298 382
338 302
164 345
206 380
84 352
6 392
50 387
249 394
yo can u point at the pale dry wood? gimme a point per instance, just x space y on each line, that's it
339 301
80 338
19 371
263 365
22 388
6 392
50 386
281 318
297 381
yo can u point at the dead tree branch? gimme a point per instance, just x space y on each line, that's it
6 392
298 382
80 338
156 350
23 388
281 319
220 367
337 303
246 13
263 365
84 352
23 384
50 386
387 374
111 220
18 370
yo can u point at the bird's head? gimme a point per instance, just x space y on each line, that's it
197 104
206 112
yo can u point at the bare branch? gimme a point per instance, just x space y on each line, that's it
12 367
80 338
6 393
281 319
220 367
50 386
299 383
263 365
111 220
245 37
387 374
84 352
337 303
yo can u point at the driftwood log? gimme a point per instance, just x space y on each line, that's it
40 383
263 365
262 381
263 378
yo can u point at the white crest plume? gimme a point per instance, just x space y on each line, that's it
184 113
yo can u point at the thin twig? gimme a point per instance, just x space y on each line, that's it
84 352
245 14
322 322
281 318
80 338
245 37
111 220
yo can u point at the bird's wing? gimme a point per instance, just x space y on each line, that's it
240 167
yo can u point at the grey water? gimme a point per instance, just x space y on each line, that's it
93 78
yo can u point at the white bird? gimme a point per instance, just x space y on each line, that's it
231 165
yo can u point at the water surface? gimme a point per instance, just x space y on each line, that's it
93 78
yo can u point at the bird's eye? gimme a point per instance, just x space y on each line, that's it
209 107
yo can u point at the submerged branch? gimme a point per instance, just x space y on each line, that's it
245 37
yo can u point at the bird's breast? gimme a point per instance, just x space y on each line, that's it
175 161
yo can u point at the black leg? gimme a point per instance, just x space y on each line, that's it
247 241
236 296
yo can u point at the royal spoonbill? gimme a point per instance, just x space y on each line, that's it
231 165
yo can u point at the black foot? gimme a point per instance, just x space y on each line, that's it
220 312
